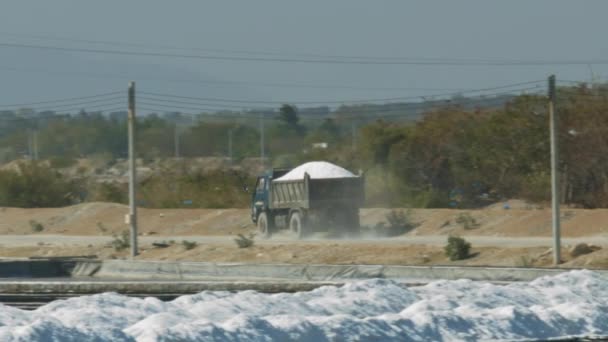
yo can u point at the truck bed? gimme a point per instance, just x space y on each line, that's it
317 193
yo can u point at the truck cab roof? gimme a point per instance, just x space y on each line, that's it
276 173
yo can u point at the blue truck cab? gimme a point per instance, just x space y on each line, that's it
260 197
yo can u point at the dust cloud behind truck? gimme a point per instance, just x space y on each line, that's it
316 196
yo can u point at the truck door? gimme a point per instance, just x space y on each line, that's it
260 198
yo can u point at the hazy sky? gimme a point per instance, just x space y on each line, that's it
489 30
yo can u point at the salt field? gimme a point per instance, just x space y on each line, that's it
569 304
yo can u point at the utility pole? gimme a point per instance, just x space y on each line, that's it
553 125
262 152
230 145
132 217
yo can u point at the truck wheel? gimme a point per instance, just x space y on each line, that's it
264 226
296 225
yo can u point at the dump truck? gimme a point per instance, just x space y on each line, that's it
308 204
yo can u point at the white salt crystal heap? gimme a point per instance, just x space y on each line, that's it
569 304
317 170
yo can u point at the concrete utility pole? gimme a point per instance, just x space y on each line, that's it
553 124
132 218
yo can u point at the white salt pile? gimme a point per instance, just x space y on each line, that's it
317 170
569 304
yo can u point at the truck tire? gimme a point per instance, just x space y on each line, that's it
265 226
297 225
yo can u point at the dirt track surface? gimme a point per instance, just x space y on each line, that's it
405 240
515 237
107 218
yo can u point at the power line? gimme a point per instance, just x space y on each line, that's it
72 107
174 106
213 99
420 62
368 107
410 110
229 115
389 110
102 100
214 50
222 83
311 55
61 100
76 107
170 47
38 118
317 58
87 103
574 82
153 99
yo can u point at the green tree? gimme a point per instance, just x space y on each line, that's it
289 115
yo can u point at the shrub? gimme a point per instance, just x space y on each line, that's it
36 185
171 187
188 245
37 227
121 242
399 222
457 248
101 227
243 241
467 221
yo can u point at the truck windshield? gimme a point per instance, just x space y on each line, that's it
261 183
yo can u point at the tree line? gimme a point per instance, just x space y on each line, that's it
446 155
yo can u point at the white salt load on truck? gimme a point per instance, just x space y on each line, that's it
317 170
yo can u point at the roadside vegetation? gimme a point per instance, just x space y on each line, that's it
457 248
441 154
243 241
467 221
120 242
398 222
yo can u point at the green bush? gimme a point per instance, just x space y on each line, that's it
188 245
36 185
101 227
207 189
457 248
399 222
36 226
467 221
121 242
243 241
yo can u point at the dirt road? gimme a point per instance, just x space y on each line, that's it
405 240
518 236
